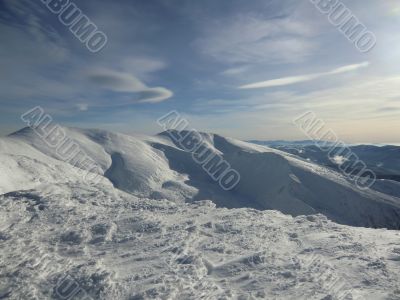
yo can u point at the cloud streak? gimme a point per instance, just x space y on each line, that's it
303 78
121 82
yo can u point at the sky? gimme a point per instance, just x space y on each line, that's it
239 68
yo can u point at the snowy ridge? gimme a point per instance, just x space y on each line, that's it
157 168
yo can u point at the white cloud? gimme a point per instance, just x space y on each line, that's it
116 81
127 83
82 106
235 71
303 78
339 160
348 68
154 95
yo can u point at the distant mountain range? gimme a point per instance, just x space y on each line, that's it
384 160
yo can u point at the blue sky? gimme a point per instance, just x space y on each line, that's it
240 68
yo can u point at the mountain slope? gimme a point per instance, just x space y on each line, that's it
158 168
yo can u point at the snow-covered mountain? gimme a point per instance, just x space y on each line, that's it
158 168
155 225
384 160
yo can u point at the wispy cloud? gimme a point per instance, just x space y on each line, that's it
250 39
303 78
43 64
127 83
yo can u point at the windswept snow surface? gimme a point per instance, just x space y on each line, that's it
118 246
156 226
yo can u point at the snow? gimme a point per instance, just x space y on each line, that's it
156 226
383 160
117 246
159 168
24 167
